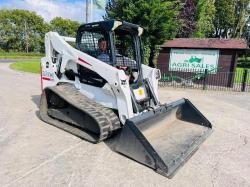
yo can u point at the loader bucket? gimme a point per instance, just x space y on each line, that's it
164 139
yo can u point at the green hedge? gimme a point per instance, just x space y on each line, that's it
243 62
20 55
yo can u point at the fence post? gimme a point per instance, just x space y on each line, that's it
204 80
244 80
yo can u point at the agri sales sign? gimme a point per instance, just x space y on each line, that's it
193 60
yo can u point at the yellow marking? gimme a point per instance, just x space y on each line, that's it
140 92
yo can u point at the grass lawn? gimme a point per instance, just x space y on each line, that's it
18 55
30 66
239 75
34 67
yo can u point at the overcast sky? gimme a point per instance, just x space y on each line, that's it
48 9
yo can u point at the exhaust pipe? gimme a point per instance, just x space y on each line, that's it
164 139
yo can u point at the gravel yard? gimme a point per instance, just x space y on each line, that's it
33 153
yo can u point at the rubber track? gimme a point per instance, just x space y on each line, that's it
106 119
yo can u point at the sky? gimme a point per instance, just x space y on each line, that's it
48 9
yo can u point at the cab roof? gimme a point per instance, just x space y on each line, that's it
111 25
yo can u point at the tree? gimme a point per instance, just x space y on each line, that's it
22 30
241 18
231 17
158 18
187 18
64 27
205 18
247 31
224 18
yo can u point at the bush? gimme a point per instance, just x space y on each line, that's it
243 62
21 55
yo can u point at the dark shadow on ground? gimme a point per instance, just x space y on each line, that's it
112 141
36 100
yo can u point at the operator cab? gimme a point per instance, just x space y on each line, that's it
114 42
121 49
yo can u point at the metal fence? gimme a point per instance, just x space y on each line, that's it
206 80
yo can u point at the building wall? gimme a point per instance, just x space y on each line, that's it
226 63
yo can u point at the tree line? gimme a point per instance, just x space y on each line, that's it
22 30
166 19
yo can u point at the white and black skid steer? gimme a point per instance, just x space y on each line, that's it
93 98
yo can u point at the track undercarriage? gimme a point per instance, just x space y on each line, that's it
65 107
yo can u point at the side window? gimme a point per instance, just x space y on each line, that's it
125 50
96 45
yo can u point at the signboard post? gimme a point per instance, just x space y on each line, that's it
190 60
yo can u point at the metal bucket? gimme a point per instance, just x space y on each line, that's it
164 139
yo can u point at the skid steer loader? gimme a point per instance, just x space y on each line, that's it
95 98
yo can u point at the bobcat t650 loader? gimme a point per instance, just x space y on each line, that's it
100 87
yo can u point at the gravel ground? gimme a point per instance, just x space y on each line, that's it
33 153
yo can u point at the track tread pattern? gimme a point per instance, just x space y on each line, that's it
105 117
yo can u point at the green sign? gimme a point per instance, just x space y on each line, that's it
190 60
